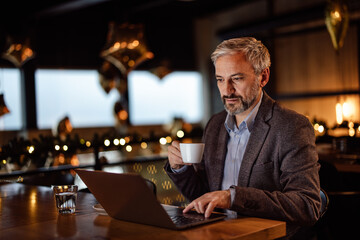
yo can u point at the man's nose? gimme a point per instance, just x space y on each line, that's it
229 86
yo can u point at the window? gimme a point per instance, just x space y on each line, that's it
78 95
10 87
73 93
158 101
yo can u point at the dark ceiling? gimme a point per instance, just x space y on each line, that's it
72 33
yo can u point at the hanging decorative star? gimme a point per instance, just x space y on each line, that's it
3 108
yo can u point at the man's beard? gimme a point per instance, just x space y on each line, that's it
244 102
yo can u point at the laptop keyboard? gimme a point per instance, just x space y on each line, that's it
180 220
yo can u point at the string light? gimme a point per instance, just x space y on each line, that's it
62 146
143 145
351 129
180 134
122 142
116 142
168 139
128 148
30 149
351 132
107 142
162 141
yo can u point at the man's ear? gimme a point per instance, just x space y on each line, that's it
265 75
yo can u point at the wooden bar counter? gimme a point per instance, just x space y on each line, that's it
29 212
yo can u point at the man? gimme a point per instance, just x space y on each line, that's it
260 158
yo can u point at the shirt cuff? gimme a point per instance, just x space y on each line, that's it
180 170
232 194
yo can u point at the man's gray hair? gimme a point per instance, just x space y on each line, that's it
255 52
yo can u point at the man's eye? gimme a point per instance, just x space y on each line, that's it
236 78
219 79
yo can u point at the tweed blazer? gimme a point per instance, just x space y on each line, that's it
278 177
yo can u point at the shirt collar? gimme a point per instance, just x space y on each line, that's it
230 123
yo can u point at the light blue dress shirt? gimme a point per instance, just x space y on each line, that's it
238 140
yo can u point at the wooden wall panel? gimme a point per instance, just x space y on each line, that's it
307 63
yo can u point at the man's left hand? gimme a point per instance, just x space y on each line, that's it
209 201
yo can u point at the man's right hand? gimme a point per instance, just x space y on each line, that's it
174 156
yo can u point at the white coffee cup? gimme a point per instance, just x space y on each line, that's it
192 152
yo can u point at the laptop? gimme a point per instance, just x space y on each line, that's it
127 197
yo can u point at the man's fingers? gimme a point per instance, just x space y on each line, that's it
196 207
199 206
209 209
202 206
188 207
174 155
209 201
174 151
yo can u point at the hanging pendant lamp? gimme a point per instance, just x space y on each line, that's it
18 52
337 21
125 47
109 75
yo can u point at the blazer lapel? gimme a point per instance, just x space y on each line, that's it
221 156
256 140
219 164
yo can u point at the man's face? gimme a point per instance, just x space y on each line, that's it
238 85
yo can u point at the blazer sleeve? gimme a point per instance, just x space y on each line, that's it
197 180
189 182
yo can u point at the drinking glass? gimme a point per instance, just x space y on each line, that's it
65 198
